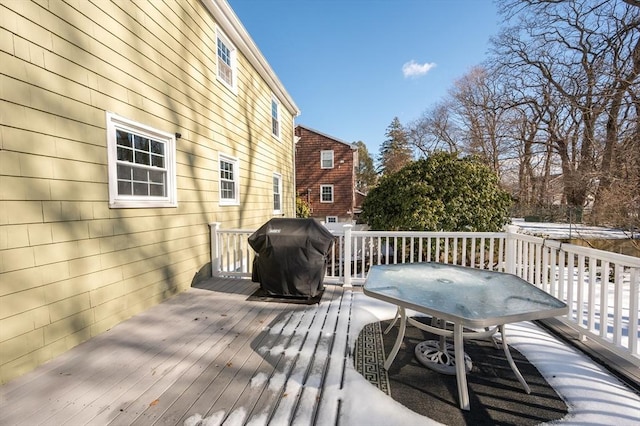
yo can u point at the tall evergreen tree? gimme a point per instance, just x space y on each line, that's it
395 151
366 176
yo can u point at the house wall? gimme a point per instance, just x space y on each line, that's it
310 176
71 267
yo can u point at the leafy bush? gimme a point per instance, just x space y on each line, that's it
440 193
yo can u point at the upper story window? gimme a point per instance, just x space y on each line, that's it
326 193
277 193
226 61
326 159
229 182
275 118
141 164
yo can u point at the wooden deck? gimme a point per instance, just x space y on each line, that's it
215 354
205 352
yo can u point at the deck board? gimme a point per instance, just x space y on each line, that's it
205 351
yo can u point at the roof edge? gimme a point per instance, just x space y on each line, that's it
351 145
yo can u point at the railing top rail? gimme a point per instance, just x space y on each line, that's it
431 234
237 231
618 259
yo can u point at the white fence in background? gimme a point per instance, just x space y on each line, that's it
602 288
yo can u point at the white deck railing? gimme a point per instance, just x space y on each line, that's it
602 288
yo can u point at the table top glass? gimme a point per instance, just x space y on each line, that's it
473 297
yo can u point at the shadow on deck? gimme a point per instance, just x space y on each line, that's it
211 354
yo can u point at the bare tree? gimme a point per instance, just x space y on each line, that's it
435 130
581 52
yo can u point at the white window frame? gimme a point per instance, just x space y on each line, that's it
277 193
322 200
235 201
233 59
331 219
326 155
275 118
170 199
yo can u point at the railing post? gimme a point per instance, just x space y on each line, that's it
215 249
347 255
510 249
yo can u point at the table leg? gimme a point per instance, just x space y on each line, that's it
396 346
505 347
461 374
395 318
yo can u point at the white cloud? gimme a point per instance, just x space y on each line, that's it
414 69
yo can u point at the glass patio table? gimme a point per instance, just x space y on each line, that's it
463 297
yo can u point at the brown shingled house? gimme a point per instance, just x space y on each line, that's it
326 175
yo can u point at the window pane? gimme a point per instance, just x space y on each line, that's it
124 172
226 170
124 188
123 138
326 159
327 193
125 154
142 158
157 147
140 175
156 176
224 53
142 143
228 192
157 161
224 71
140 189
157 190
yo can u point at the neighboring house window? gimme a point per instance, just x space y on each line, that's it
229 180
141 164
277 193
226 61
275 118
326 159
326 193
332 219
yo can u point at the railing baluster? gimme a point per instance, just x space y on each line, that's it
580 290
634 307
604 300
618 305
591 295
446 250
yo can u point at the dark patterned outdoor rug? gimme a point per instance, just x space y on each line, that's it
369 357
496 396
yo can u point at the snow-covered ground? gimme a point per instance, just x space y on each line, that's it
569 230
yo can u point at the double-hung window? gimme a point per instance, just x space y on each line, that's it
226 53
141 164
326 193
229 182
277 193
275 118
326 159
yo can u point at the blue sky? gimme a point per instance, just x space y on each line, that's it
351 66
